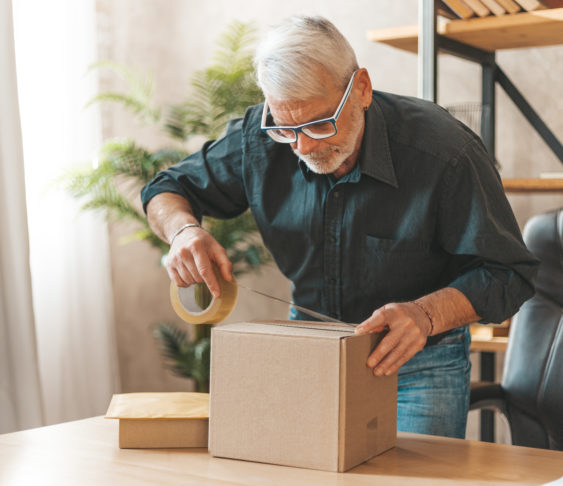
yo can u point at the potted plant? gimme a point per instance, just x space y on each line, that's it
218 94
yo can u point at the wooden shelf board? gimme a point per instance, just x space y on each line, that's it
525 29
533 185
491 345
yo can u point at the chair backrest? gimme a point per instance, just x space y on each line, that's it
533 367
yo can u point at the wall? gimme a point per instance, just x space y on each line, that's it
173 38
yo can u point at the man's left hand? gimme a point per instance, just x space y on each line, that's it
408 327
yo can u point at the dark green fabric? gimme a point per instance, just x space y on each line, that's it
422 210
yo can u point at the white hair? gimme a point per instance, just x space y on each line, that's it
289 58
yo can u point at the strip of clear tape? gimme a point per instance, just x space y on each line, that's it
309 312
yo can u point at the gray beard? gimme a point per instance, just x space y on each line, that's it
324 163
330 159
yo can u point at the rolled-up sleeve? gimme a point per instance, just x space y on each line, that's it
476 220
211 179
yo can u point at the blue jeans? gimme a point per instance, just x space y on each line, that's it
433 396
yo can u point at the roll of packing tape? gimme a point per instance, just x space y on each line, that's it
196 305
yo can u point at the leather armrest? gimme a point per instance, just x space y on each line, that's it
487 395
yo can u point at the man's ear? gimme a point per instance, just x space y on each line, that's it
363 87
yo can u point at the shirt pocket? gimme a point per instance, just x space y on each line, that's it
396 270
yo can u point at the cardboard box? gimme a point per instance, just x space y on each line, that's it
298 394
161 420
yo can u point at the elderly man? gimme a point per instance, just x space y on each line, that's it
381 209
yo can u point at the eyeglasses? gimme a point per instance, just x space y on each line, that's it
317 129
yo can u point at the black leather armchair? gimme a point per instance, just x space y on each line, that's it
531 392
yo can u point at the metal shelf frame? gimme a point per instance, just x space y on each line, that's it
430 42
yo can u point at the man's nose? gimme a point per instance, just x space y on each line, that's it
304 144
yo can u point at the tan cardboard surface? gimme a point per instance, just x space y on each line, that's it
161 420
274 398
153 434
159 406
298 395
368 405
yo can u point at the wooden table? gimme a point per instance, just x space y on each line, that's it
85 453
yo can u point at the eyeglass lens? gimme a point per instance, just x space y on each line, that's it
315 130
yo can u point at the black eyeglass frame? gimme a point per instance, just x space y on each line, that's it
302 128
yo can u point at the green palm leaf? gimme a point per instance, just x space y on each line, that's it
138 99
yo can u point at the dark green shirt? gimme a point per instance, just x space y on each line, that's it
423 209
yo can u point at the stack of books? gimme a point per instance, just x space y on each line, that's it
465 9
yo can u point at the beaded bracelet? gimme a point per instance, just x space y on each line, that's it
419 304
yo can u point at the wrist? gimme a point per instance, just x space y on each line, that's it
424 309
181 229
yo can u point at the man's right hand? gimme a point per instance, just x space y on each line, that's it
192 257
194 253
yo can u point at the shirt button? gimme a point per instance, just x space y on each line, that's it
336 194
332 239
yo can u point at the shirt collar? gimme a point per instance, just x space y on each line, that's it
375 155
304 168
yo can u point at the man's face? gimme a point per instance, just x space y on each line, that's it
336 154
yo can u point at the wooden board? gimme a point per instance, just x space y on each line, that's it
510 6
533 185
460 8
491 345
531 4
478 7
525 29
495 7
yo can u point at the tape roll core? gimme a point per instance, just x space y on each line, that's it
218 310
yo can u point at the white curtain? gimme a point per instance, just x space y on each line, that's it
55 42
20 391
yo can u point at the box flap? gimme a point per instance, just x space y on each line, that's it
159 406
328 330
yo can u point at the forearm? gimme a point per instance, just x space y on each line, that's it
448 308
166 212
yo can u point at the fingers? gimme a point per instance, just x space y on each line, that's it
376 323
222 260
191 261
391 355
204 267
183 272
404 339
175 277
204 263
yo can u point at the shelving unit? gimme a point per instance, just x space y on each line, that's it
477 40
